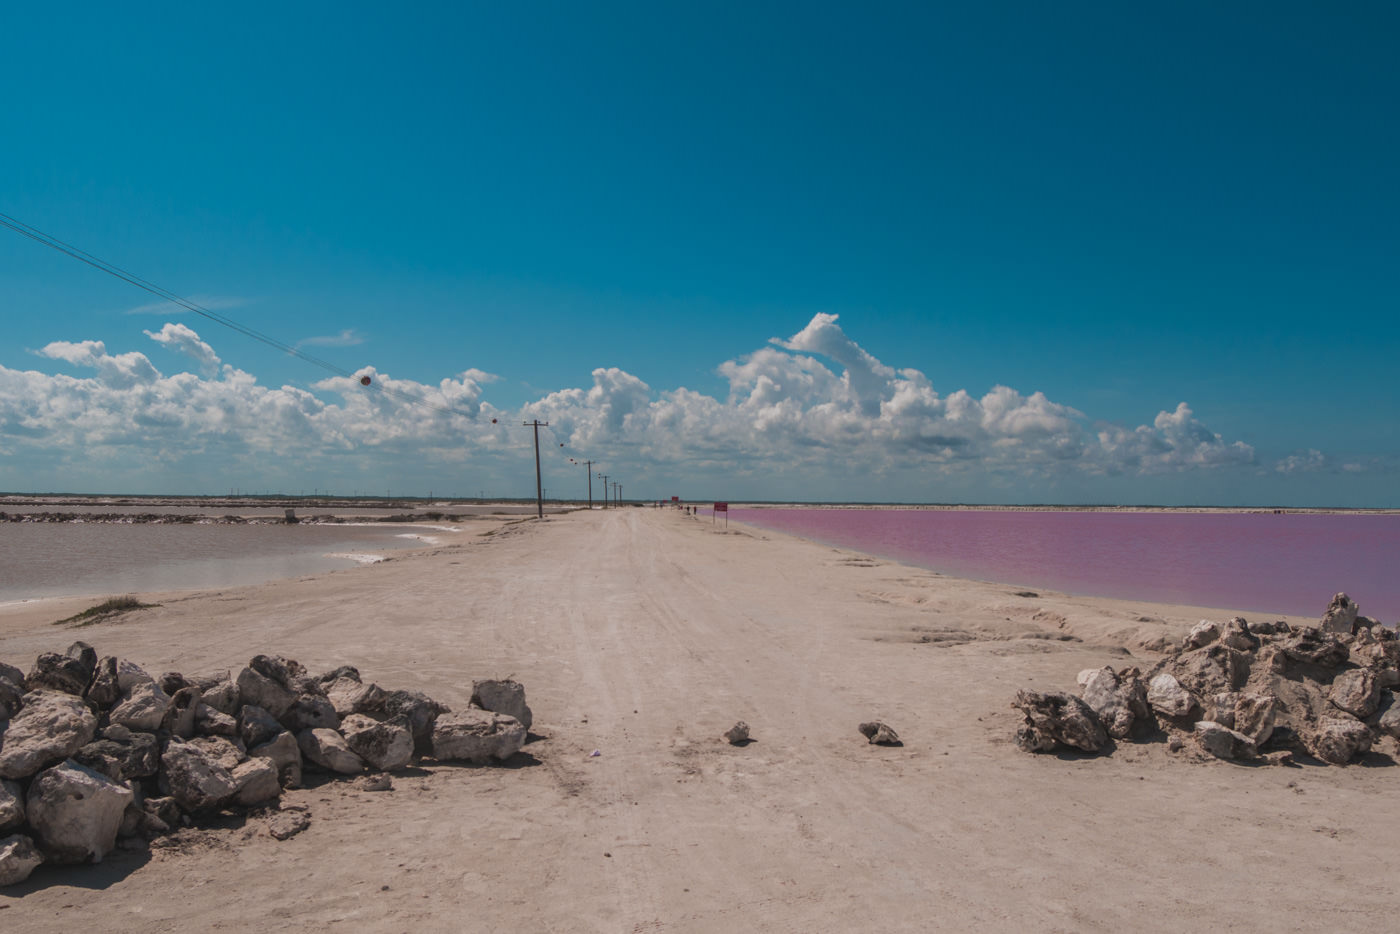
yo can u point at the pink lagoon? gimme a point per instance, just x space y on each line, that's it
1258 562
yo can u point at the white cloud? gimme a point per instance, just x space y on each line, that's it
812 406
346 338
183 340
208 302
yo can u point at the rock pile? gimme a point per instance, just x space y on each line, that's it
95 749
1239 690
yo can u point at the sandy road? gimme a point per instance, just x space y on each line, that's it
644 635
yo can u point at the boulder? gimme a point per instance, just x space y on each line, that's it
12 673
349 696
18 858
1055 719
11 806
172 681
160 815
328 749
476 736
257 782
1220 708
138 757
1117 700
52 726
257 726
211 722
311 711
259 690
1168 698
420 709
75 812
1356 692
738 734
502 696
1340 616
1387 719
1339 740
180 715
130 674
54 672
879 734
1254 716
286 672
1222 742
194 781
143 708
1236 635
219 750
285 754
1203 633
1316 647
104 689
286 824
344 672
85 655
385 746
222 695
11 698
1216 669
1269 628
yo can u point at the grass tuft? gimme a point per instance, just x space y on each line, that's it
113 606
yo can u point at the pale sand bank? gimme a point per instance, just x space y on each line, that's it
644 634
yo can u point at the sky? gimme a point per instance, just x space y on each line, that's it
1088 252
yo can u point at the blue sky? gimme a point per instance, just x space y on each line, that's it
604 215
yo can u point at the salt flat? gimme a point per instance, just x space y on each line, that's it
644 635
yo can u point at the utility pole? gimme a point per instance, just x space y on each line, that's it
588 469
619 493
539 490
605 489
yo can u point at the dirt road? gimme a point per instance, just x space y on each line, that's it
644 635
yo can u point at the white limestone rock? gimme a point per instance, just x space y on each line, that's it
1168 697
76 812
328 749
257 781
51 726
503 696
143 708
385 746
192 779
476 736
18 858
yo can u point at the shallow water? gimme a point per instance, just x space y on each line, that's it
48 559
1265 563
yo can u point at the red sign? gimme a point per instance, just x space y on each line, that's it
721 507
675 499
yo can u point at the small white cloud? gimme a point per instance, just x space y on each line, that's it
182 339
346 338
207 302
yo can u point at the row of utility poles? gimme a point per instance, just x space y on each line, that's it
587 465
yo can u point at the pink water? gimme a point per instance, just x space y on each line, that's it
1261 563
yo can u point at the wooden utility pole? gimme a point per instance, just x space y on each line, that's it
605 489
539 489
588 469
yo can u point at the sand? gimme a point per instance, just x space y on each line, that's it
644 635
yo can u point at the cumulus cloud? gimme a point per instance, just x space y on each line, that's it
811 405
182 339
1310 461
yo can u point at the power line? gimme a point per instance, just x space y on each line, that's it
48 240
